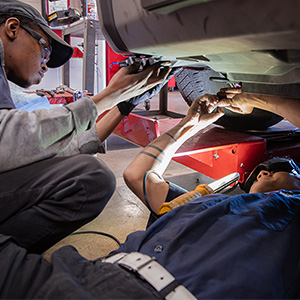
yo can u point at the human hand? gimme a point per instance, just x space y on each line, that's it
235 100
204 111
127 83
127 106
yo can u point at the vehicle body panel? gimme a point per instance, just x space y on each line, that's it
250 41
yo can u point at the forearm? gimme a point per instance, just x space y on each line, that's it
288 108
104 100
156 156
169 142
106 125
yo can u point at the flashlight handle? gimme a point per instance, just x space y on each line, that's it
224 182
200 190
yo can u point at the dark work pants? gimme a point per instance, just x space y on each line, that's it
67 276
45 201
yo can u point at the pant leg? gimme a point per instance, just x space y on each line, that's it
22 274
67 276
45 201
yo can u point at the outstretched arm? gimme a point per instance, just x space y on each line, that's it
108 123
157 155
127 83
237 101
91 141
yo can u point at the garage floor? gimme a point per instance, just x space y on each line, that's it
125 213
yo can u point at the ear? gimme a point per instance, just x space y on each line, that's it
12 27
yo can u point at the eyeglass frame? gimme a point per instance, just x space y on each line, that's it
41 40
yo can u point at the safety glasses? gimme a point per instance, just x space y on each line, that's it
46 50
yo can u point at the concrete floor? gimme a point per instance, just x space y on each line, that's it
125 213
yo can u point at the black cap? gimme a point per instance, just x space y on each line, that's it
274 165
61 51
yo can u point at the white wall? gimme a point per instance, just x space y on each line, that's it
35 3
53 78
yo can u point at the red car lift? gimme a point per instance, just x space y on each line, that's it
216 151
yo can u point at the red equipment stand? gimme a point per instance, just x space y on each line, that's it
216 151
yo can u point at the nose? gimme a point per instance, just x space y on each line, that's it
263 173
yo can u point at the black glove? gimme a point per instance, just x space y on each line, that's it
127 106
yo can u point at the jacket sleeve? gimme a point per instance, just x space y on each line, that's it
87 142
27 137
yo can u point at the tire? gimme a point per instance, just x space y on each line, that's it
193 84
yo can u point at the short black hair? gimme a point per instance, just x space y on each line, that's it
23 20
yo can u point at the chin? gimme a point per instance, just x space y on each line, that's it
23 84
29 82
19 82
262 189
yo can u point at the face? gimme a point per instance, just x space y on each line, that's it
25 62
267 181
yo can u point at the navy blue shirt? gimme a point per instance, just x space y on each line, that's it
244 246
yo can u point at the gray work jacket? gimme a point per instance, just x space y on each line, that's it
28 137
